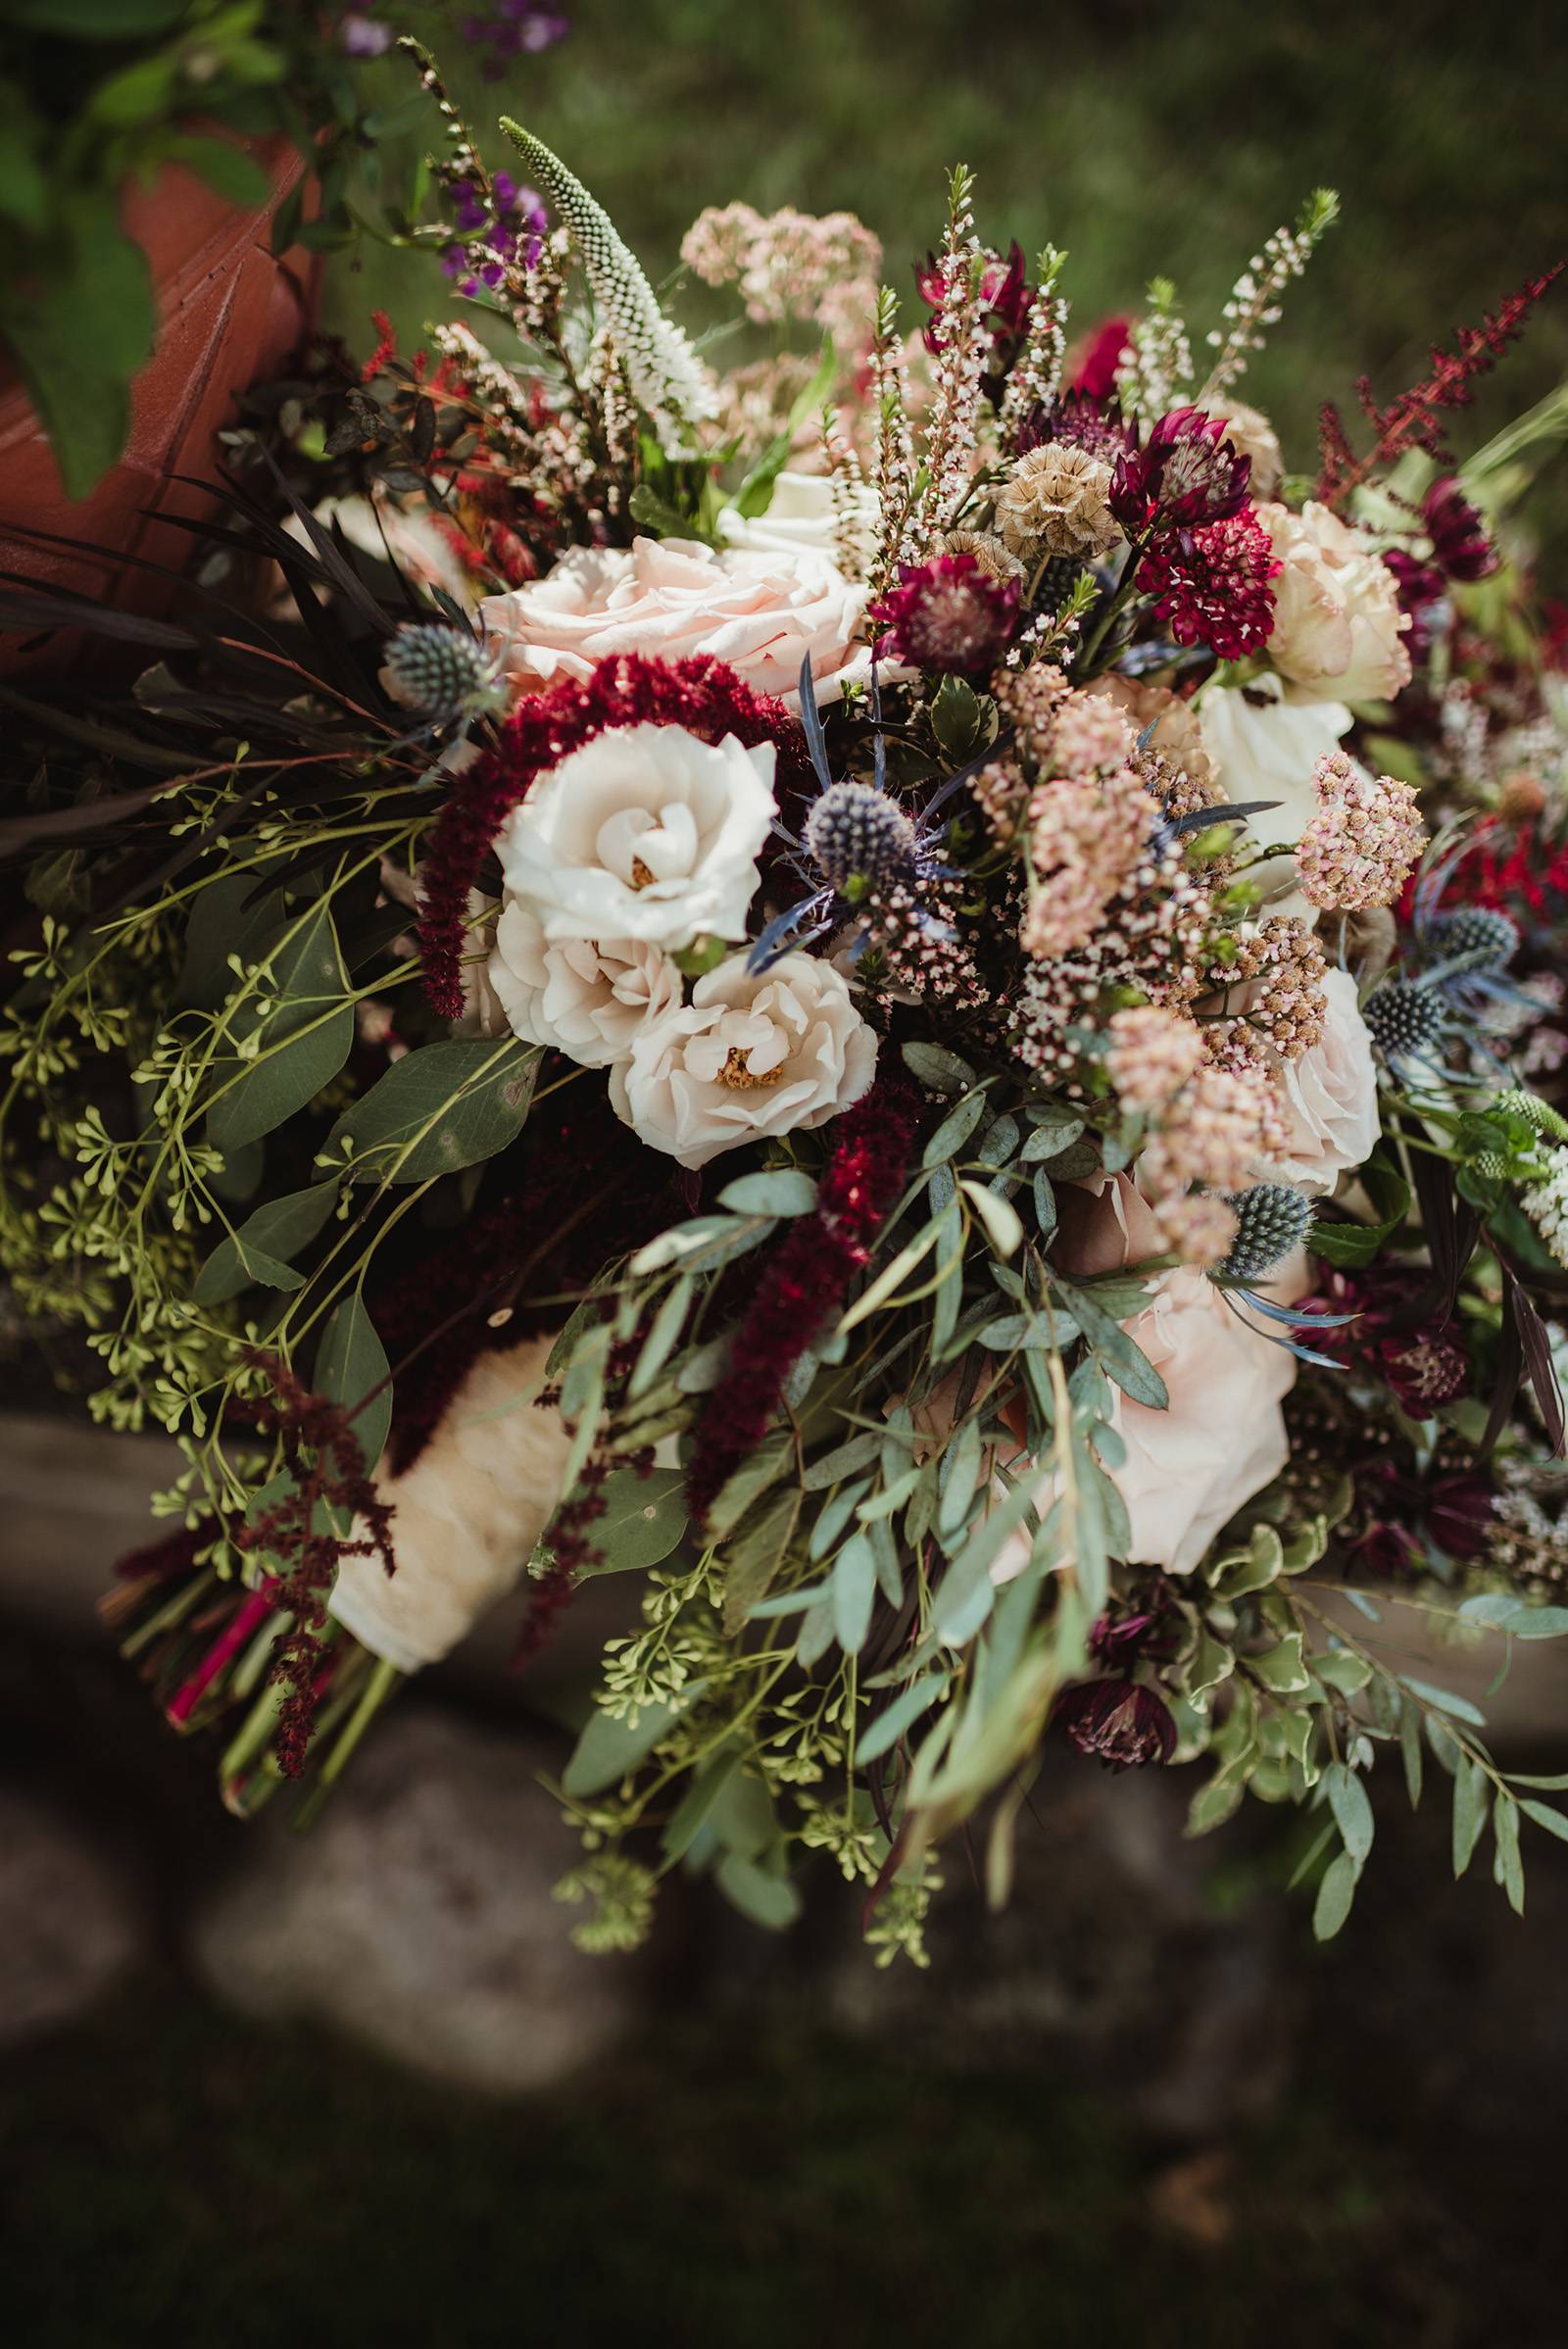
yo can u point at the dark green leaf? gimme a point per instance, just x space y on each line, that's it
270 1238
300 1042
442 1107
351 1368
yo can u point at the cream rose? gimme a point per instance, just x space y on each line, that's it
466 1516
753 1054
1189 1468
762 609
588 998
1250 434
1337 619
800 518
1331 1096
646 834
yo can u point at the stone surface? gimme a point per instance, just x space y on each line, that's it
417 1915
70 1925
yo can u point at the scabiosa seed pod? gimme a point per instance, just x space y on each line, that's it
441 670
1272 1219
1405 1018
858 836
1485 938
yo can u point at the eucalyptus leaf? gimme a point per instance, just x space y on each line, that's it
291 1049
260 1251
351 1365
448 1104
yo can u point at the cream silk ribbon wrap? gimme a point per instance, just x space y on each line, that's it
468 1514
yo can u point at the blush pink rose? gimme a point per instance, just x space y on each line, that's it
762 609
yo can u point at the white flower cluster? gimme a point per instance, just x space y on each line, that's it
630 853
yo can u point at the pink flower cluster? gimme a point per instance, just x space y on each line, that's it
1088 839
789 264
1361 844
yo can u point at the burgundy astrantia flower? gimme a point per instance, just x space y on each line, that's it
1119 1721
1077 422
1099 357
1425 1368
1460 546
1210 586
1008 298
948 614
1186 474
1423 595
1453 1512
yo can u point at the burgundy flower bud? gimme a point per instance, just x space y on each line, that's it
1187 474
1120 1723
1097 358
948 614
1460 546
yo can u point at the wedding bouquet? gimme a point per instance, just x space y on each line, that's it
864 992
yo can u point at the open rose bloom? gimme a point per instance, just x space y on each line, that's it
888 1010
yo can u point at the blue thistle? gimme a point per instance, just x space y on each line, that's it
860 839
1272 1219
442 670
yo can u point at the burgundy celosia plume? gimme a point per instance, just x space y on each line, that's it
701 694
803 1281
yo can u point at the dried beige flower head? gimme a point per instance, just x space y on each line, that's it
989 553
1250 434
1056 502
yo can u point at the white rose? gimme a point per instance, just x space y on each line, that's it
588 998
1265 748
1331 1096
1336 618
799 517
466 1515
646 834
753 1054
762 609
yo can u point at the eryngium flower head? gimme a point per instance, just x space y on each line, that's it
1121 1723
1053 502
1272 1219
1405 1018
1187 473
1481 935
442 670
858 836
948 614
1460 546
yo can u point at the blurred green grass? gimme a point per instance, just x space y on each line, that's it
1144 138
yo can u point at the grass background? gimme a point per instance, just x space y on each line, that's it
1144 138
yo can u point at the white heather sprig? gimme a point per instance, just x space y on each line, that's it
1158 358
893 478
1036 376
1254 301
667 379
846 491
959 368
1546 1204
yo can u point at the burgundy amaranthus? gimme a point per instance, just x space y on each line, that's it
1211 586
701 694
327 1472
1414 421
803 1282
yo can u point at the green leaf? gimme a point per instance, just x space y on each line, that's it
954 1129
447 1106
998 1219
1470 1807
667 1324
1348 1245
260 1251
1335 1895
762 1468
608 1749
1281 1668
1411 1750
1544 1816
351 1364
959 719
768 1900
754 1556
645 1517
1507 1866
300 1043
937 1070
785 1190
853 1591
905 1709
1459 1707
755 492
1123 1359
81 334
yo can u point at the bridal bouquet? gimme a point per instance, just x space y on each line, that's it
892 995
